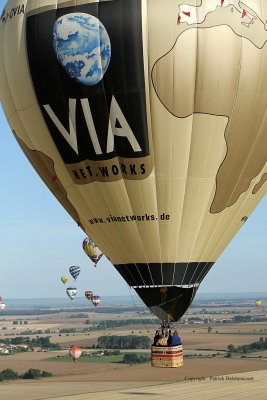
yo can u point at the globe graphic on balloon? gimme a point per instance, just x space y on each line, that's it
82 46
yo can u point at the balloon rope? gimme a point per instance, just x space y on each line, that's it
191 300
138 312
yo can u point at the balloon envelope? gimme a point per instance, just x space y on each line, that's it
95 300
93 252
258 303
151 135
75 271
88 294
71 292
75 353
2 306
64 279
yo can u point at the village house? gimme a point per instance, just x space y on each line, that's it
11 346
4 350
24 345
36 348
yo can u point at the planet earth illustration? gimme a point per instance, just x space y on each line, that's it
82 46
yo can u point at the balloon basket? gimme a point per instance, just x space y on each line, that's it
167 357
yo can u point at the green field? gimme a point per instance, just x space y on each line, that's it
93 360
103 359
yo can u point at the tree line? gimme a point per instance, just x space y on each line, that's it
110 324
43 342
32 373
124 342
249 348
133 358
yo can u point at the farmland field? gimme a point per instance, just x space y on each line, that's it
206 333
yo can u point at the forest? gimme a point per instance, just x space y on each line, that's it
124 342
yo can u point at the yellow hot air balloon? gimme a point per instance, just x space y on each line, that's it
258 303
147 120
64 279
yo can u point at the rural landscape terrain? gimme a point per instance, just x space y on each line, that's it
220 337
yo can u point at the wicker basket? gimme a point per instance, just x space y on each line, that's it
167 357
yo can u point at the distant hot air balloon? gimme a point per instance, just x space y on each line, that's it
75 353
71 292
258 303
75 272
2 306
95 300
93 252
88 294
1 299
64 279
158 146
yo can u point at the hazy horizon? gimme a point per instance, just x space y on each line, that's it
81 301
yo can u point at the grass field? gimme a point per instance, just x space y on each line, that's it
116 359
89 360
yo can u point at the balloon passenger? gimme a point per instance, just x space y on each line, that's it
156 338
175 339
162 341
169 341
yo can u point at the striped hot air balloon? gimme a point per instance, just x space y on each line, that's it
75 271
88 294
96 300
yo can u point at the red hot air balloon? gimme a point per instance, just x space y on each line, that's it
96 300
75 353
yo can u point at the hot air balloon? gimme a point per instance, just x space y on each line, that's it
75 272
2 306
88 294
75 353
64 279
93 252
153 126
258 303
71 292
95 300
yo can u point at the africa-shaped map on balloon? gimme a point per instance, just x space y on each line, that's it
219 44
82 46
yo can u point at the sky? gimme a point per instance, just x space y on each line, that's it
39 241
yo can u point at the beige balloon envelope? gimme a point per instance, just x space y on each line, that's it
154 141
